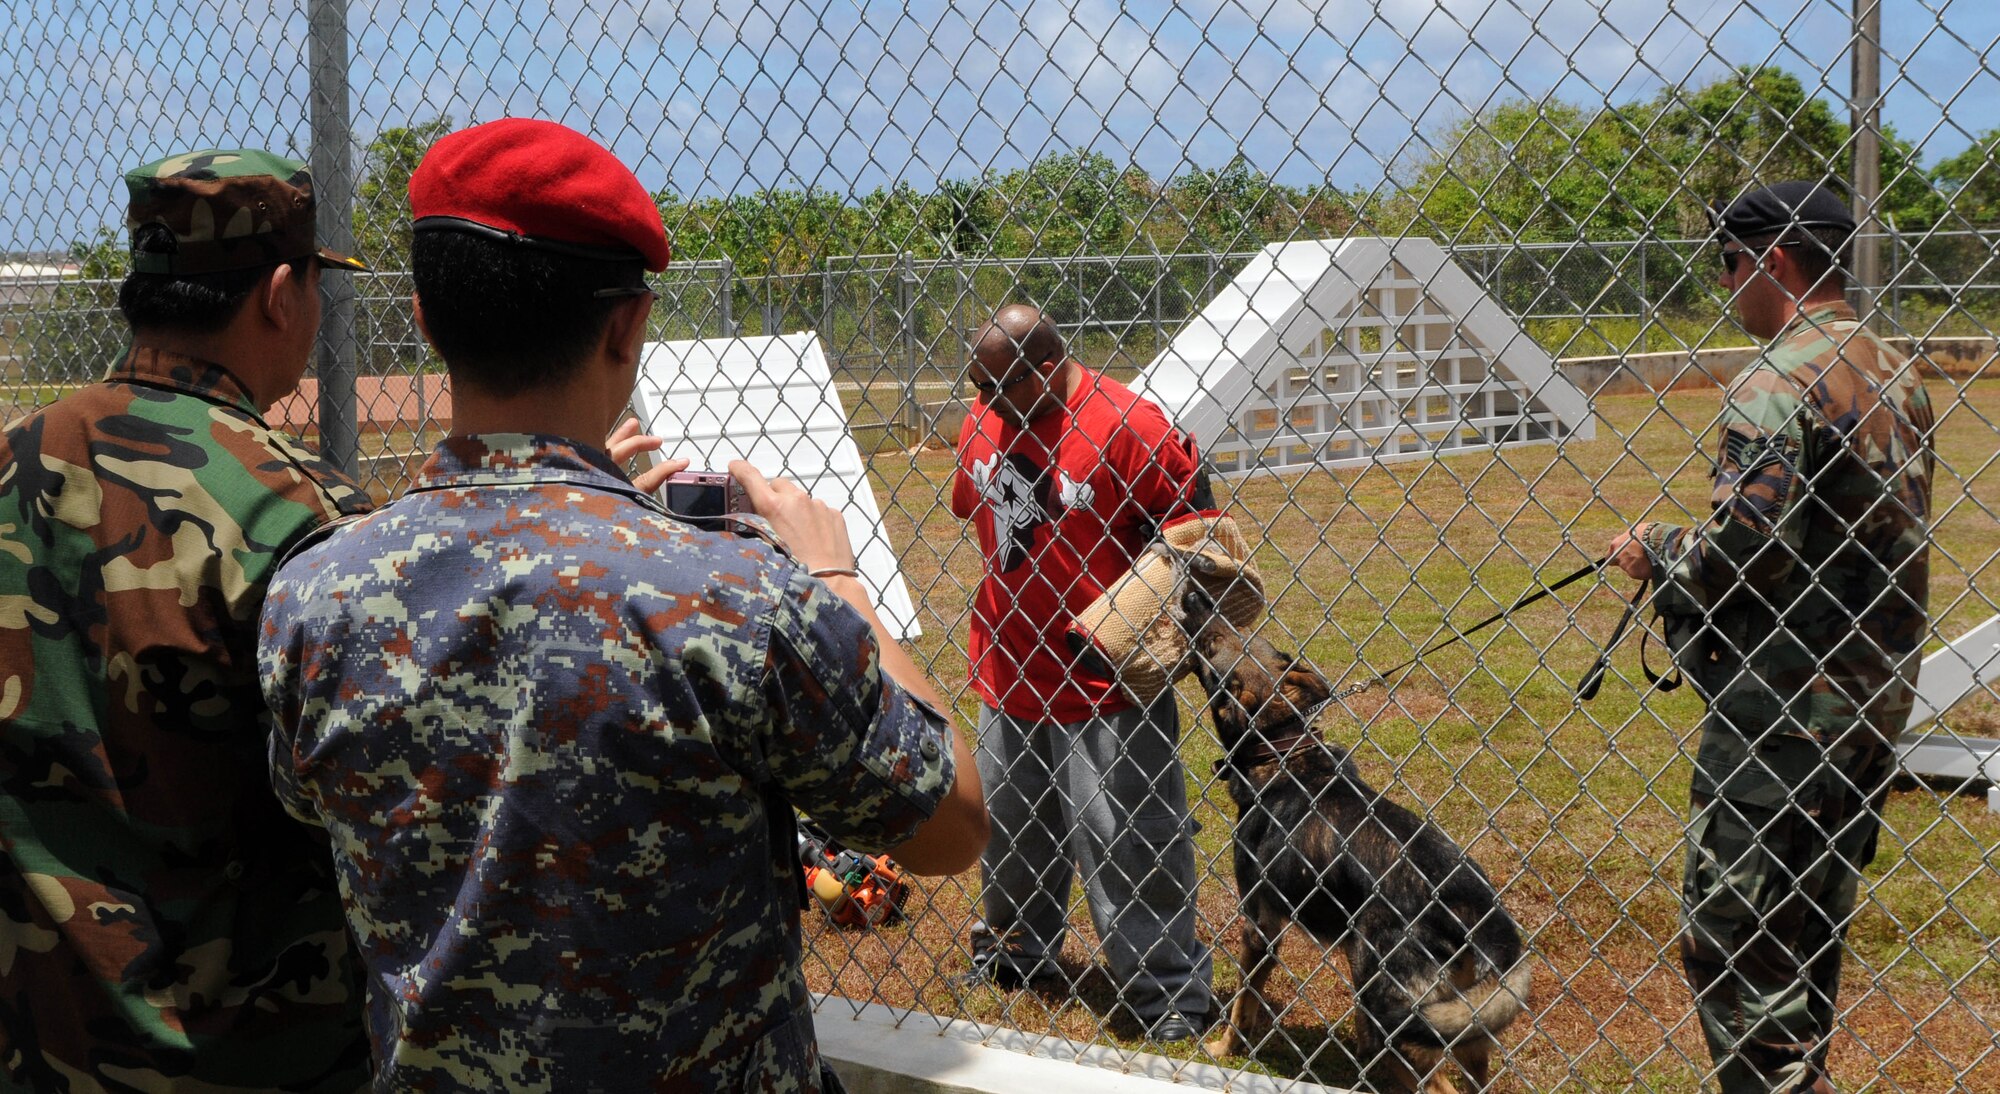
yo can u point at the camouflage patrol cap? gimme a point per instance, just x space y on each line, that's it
1775 208
225 209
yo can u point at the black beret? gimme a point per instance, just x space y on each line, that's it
1785 205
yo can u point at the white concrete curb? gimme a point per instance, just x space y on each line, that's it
881 1050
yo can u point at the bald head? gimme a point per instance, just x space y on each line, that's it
1020 366
1019 332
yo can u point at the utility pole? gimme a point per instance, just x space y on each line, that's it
333 192
1867 114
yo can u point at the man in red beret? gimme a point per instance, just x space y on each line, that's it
556 735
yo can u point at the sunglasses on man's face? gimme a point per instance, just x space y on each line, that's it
994 387
1729 256
620 291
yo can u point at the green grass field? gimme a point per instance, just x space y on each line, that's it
1575 809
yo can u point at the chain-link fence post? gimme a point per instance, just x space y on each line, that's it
725 299
1159 308
906 334
962 321
333 181
1895 274
826 302
1645 297
1867 181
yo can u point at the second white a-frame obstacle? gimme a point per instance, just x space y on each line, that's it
1348 351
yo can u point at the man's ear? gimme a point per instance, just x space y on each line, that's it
417 309
274 297
625 331
1303 686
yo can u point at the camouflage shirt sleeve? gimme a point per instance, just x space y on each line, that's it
1751 537
851 748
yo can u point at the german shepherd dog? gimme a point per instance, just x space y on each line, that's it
1437 963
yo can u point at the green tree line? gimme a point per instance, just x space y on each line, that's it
1524 171
1550 171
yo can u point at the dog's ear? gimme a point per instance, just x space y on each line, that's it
1303 686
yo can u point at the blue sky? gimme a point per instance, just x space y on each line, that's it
714 98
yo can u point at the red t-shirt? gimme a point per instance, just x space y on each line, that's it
1062 507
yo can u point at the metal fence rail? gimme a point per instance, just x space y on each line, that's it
896 325
889 176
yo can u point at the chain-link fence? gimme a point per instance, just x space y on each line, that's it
1155 179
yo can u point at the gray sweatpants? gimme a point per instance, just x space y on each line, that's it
1107 798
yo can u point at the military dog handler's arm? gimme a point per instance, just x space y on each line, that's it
816 534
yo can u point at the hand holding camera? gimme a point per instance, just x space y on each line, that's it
814 532
703 498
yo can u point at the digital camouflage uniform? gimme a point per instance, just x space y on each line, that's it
162 923
552 734
1799 611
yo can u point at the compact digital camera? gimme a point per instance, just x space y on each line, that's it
704 498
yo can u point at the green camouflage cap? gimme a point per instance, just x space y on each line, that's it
227 209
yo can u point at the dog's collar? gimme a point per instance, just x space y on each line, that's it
1262 747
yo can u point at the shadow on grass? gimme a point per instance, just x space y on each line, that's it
1319 1054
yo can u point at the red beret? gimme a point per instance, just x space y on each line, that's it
540 180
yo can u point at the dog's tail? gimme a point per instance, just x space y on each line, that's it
1486 988
1490 1005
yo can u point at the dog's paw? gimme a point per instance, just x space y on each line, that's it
1225 1045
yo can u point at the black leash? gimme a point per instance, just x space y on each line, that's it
1382 678
1595 677
1592 680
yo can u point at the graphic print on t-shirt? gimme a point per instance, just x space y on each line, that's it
1018 491
1071 494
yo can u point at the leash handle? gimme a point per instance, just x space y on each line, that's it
1595 679
1664 683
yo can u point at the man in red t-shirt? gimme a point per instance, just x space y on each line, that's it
1066 474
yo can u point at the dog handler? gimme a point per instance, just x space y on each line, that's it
555 735
1799 611
1066 475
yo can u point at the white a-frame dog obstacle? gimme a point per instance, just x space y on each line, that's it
772 401
1347 351
1967 666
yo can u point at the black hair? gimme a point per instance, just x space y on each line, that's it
185 303
508 317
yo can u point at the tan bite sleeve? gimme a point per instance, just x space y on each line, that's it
1132 625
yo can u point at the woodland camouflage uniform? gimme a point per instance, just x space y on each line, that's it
163 924
1799 611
